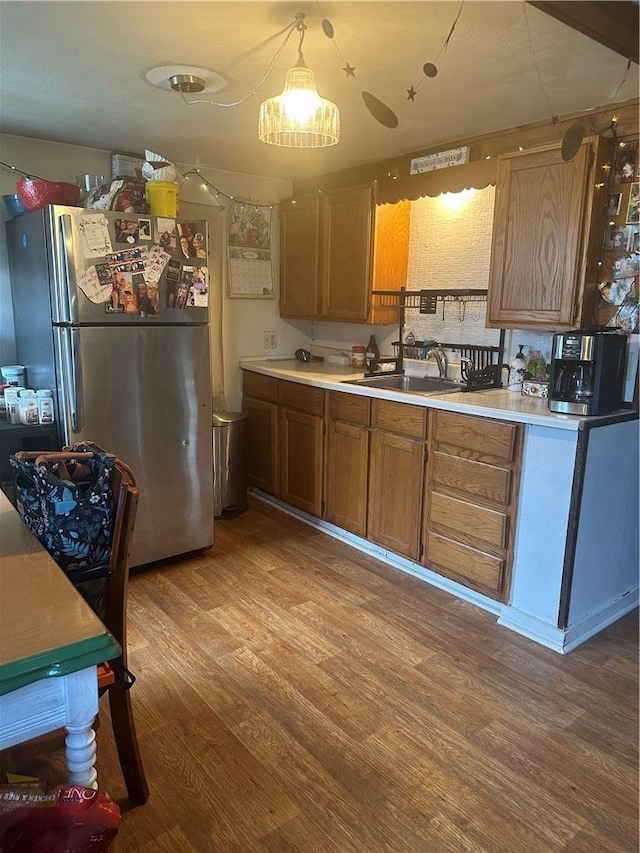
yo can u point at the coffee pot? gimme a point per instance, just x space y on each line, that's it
587 372
575 382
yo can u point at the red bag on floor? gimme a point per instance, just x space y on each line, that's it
37 817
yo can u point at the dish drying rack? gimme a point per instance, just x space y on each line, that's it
480 366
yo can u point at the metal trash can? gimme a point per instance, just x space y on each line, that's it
229 463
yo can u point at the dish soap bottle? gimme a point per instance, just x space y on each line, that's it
372 354
516 371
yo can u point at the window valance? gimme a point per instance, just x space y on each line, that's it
477 175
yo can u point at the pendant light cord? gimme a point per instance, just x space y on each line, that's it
296 24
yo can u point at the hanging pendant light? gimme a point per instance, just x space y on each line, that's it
299 117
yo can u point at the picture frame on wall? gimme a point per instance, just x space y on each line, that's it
613 203
633 208
626 163
617 238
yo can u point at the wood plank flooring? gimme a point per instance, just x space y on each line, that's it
297 696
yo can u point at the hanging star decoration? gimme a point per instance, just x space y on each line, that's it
430 69
377 108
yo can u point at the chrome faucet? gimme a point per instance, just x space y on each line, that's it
439 355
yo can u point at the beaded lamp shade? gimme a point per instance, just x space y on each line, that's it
299 117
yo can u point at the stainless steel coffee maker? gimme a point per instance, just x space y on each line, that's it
587 372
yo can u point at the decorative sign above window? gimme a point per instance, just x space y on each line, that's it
441 160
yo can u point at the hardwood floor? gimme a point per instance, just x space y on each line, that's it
294 694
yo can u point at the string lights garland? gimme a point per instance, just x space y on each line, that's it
215 191
26 175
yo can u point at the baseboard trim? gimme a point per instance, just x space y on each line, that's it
592 623
388 557
554 638
533 628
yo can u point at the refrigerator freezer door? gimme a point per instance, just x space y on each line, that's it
77 252
144 394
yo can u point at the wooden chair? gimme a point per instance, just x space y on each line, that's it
111 606
113 676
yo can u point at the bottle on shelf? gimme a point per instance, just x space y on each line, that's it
45 406
358 357
372 354
517 368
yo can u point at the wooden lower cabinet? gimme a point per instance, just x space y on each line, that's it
470 500
285 435
365 465
301 460
347 461
260 405
301 439
396 477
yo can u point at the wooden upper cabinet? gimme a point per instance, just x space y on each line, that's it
392 227
539 244
299 257
335 249
345 262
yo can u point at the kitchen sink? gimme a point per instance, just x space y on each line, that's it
411 384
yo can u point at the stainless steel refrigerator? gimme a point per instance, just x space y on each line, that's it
111 313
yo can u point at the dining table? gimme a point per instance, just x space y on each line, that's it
51 643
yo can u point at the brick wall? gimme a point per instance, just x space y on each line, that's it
450 247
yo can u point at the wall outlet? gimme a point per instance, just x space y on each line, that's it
269 340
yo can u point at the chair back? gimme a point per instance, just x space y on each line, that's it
105 587
125 494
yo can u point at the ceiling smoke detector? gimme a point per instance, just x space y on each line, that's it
187 83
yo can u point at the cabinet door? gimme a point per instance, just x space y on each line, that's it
395 492
301 460
299 247
392 226
539 240
345 275
262 425
346 476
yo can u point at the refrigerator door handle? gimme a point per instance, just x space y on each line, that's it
65 294
72 381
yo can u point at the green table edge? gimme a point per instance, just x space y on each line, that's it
56 662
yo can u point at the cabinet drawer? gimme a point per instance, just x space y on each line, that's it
469 566
304 398
259 386
476 435
467 521
399 418
466 477
348 407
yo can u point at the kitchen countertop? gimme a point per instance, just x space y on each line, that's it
493 403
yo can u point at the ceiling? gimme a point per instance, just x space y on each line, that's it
74 72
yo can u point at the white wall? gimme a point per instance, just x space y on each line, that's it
606 561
